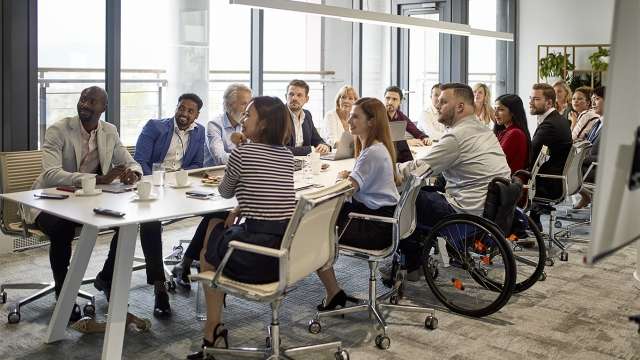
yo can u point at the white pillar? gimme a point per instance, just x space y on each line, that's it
636 274
188 67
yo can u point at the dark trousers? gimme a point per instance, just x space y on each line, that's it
431 207
151 241
197 242
61 232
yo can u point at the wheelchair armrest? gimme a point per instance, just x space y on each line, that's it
372 218
550 176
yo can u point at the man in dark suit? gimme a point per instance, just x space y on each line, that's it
304 134
594 137
553 131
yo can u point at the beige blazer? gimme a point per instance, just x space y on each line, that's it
62 152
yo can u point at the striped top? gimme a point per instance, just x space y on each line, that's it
261 178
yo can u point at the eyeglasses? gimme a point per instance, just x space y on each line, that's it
243 117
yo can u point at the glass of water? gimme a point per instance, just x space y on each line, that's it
158 174
307 172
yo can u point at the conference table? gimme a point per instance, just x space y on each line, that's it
169 202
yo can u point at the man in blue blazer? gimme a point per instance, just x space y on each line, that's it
304 134
180 134
178 143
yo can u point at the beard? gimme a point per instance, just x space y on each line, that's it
85 115
536 111
446 118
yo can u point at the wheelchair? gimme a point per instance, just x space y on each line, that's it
469 263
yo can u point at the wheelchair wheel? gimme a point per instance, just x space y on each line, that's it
468 265
530 255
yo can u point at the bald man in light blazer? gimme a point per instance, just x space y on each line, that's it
75 148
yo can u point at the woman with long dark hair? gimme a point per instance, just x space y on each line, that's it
512 131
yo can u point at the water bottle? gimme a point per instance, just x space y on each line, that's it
307 171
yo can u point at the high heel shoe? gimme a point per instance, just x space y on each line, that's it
338 299
219 333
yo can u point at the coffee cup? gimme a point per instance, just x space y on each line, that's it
144 189
89 184
182 177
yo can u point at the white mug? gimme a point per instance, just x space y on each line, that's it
89 184
181 177
144 189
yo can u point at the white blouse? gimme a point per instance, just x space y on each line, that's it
332 127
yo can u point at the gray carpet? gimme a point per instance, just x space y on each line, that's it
577 313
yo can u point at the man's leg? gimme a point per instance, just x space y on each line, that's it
431 207
151 241
103 279
60 233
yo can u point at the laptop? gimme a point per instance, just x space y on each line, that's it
344 150
397 130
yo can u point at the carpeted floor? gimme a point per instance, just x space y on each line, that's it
579 312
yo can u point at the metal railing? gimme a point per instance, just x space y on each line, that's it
143 93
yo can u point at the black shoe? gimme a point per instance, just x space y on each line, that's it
162 308
219 333
338 299
181 274
102 285
76 314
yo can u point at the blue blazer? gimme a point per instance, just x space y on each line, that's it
155 139
309 134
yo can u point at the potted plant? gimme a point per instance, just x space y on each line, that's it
600 59
553 65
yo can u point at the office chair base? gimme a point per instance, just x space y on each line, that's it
273 349
174 258
374 305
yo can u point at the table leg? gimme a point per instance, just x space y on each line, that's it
72 283
117 318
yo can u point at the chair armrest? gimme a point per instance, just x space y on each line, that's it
277 253
550 176
234 244
372 218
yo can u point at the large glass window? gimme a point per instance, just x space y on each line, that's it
482 51
71 55
292 50
424 50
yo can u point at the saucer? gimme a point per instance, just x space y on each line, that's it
176 186
81 192
151 197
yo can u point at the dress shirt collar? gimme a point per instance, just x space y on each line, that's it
226 122
544 116
295 118
177 129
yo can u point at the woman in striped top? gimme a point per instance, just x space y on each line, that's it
374 182
260 175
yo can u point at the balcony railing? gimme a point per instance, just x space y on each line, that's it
143 93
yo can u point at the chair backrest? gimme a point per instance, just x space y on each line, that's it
131 149
573 167
501 201
18 171
310 238
405 213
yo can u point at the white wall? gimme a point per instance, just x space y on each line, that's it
557 22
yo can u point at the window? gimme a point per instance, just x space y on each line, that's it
482 51
292 50
71 55
424 60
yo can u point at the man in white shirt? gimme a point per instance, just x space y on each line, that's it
468 156
219 146
304 134
430 124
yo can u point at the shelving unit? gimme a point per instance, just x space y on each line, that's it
569 50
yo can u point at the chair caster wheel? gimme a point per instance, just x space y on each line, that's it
383 342
548 262
13 317
431 322
558 224
564 256
89 310
178 248
394 299
4 297
171 285
314 327
342 355
543 276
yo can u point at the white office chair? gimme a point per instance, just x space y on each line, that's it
571 180
309 244
404 223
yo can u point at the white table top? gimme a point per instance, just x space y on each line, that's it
170 203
